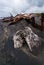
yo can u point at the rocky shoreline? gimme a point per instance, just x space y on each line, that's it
18 56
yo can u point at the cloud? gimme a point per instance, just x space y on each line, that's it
20 6
35 9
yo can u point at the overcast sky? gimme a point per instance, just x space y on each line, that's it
20 6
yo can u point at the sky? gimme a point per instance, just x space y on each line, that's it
20 6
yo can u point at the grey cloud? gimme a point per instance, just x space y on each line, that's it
20 6
35 9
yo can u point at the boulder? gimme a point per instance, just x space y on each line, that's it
32 40
18 42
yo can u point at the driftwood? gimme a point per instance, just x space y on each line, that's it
18 18
28 17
